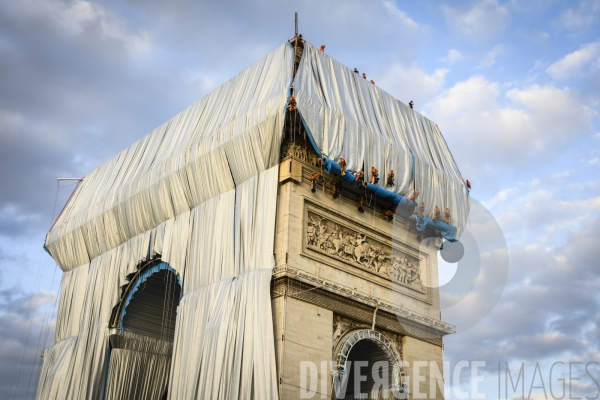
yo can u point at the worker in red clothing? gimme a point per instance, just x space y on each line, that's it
313 180
390 179
374 175
292 104
342 167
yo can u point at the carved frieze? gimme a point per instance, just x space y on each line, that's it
330 238
299 151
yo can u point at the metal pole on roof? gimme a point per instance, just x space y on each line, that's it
296 24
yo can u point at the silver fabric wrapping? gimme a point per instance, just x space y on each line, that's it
200 191
139 367
352 118
222 249
228 136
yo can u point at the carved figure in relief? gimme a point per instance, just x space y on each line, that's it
327 244
372 259
383 262
396 343
341 326
338 329
348 246
338 242
321 229
311 233
385 267
360 253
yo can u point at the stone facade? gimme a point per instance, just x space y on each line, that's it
339 272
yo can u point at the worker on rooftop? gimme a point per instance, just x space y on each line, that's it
322 49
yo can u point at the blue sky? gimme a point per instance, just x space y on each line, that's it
514 86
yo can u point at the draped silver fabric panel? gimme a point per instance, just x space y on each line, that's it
350 117
139 367
224 344
231 134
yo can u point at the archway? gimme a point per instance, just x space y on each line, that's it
141 341
368 367
150 308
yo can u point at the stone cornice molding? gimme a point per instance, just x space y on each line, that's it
402 313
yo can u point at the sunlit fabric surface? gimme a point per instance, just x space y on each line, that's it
352 118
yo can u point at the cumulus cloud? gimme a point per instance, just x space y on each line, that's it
409 82
486 126
452 57
482 21
547 313
573 65
78 17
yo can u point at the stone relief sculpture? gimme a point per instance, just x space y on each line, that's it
336 241
298 151
395 342
342 325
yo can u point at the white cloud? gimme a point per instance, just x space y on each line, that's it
400 16
500 197
490 56
581 17
452 57
78 17
594 161
587 58
486 19
409 82
511 129
562 175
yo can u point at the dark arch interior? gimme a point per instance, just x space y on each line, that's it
153 307
368 350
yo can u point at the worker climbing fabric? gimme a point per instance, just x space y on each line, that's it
350 117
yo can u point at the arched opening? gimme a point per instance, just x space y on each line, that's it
368 367
141 341
373 365
151 309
